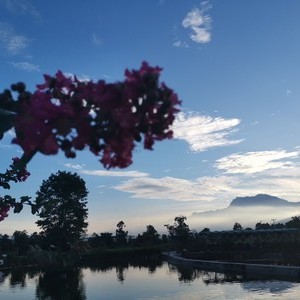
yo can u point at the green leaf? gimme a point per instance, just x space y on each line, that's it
25 199
18 208
5 185
34 209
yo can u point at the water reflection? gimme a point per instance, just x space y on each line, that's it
61 285
273 287
139 279
120 273
186 274
121 266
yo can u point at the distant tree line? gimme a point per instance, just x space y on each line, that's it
293 223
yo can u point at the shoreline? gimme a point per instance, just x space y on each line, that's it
246 269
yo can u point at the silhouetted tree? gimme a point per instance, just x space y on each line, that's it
149 237
61 203
237 226
278 226
205 230
6 243
262 226
179 231
107 238
121 234
38 239
294 223
21 241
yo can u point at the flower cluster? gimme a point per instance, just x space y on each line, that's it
4 209
68 114
20 172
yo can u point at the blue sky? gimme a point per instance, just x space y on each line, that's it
234 65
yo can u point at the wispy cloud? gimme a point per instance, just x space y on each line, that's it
288 92
96 39
75 166
23 7
255 162
180 44
204 132
199 23
114 173
11 41
26 66
160 188
178 189
216 189
82 78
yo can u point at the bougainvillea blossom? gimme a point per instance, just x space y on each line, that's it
21 172
4 212
68 114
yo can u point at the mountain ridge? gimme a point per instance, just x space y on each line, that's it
247 211
261 200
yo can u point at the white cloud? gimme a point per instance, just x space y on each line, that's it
216 189
12 42
114 173
76 166
204 132
263 172
288 92
82 78
200 24
255 162
180 44
25 66
201 189
17 43
283 183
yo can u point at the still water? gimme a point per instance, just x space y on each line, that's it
158 280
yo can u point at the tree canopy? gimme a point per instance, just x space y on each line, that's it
179 231
61 203
121 234
237 226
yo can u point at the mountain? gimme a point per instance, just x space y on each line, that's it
247 211
261 200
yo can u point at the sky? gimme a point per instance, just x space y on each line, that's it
235 66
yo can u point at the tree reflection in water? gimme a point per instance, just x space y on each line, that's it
64 285
69 284
186 274
17 278
121 266
120 273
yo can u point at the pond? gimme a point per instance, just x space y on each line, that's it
158 280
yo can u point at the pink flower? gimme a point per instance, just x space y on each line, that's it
67 114
21 173
4 212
